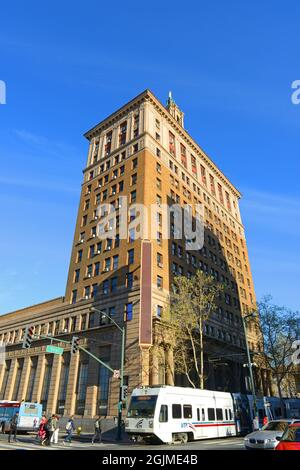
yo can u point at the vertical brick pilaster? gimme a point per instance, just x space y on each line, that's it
11 379
54 384
39 378
24 379
72 382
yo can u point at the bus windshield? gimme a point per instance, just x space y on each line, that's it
142 406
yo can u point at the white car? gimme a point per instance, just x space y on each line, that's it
266 438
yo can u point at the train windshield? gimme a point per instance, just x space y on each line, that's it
142 406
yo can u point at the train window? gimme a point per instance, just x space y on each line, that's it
226 415
219 414
198 414
187 411
230 415
176 411
211 414
163 414
203 414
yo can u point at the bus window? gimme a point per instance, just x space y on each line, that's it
163 414
226 415
211 414
219 414
187 411
176 411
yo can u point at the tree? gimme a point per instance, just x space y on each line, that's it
191 304
280 327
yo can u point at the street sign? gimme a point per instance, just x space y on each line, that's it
116 374
54 349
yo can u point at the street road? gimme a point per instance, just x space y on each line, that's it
29 443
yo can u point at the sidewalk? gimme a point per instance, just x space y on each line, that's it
107 437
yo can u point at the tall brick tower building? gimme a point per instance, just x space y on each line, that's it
140 154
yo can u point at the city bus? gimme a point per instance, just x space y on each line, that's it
29 418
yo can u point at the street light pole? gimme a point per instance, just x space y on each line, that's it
122 330
250 363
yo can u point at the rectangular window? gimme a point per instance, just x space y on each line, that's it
212 185
176 412
129 280
134 163
114 284
187 411
130 257
76 275
122 135
133 197
183 155
172 144
163 414
194 165
159 282
211 414
203 175
96 269
106 287
220 191
129 312
219 414
74 296
159 310
107 148
116 262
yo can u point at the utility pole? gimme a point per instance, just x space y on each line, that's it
122 330
250 365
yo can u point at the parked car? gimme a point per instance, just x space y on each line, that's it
266 438
290 439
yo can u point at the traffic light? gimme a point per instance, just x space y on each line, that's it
28 337
124 392
75 345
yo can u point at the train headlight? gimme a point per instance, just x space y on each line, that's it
151 423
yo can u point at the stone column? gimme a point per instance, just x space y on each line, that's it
24 379
169 365
92 387
154 367
54 384
11 378
72 382
2 373
39 379
145 366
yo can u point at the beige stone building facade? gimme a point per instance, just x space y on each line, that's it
141 154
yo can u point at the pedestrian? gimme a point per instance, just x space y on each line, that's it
13 428
98 430
51 427
54 438
42 430
265 420
70 428
255 423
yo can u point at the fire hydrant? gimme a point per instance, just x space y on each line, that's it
78 430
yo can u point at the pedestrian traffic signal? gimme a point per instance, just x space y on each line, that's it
124 392
28 337
75 345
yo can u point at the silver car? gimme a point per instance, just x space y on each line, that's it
266 438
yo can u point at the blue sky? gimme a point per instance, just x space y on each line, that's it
230 66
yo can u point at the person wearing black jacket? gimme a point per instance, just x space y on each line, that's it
13 427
